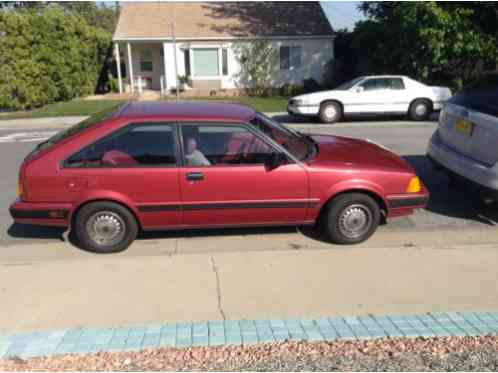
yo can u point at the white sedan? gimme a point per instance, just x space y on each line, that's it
384 94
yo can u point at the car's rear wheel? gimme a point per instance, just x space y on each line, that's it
420 109
351 218
105 227
330 112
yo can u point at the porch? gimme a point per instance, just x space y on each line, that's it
160 67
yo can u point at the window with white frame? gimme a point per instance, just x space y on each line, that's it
206 62
146 60
290 57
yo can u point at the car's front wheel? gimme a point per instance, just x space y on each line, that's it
420 109
105 227
330 112
351 218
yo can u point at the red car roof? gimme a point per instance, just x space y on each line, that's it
188 110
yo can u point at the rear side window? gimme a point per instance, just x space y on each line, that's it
73 130
137 145
396 83
481 95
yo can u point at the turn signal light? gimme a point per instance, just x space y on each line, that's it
414 185
20 189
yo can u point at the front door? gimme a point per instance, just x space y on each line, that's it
370 96
224 180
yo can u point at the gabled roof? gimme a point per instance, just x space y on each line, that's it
197 20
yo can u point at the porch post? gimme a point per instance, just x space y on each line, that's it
118 67
130 66
165 67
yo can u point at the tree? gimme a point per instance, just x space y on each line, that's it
258 62
48 55
430 41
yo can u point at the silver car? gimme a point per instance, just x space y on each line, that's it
466 142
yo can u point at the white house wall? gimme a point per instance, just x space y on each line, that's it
315 54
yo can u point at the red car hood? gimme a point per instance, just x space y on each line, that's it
359 153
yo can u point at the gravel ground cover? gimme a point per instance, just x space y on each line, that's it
397 354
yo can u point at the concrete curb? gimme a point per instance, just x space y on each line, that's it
246 332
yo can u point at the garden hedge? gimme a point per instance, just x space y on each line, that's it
48 55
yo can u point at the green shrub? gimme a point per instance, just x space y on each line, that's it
48 55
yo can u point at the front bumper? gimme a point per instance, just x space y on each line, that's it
404 204
304 110
45 214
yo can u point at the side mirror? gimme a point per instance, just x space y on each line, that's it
358 89
275 160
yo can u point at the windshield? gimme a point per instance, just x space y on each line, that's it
295 143
64 134
349 84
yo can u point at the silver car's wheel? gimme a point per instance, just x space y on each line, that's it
106 228
355 221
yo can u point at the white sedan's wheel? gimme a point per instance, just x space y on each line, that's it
330 112
420 109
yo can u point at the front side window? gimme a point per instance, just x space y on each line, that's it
300 146
222 145
146 60
375 84
290 57
137 145
206 62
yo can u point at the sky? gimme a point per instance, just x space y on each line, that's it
342 14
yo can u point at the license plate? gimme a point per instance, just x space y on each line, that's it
464 126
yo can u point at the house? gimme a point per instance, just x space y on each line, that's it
198 40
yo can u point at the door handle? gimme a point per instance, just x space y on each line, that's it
193 176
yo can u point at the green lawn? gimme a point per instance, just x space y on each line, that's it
63 109
89 107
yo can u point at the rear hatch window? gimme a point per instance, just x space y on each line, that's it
481 95
75 129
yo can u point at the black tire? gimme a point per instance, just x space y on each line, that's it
420 109
330 112
112 216
336 221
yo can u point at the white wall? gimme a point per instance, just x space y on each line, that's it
315 54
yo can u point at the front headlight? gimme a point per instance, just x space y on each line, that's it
299 102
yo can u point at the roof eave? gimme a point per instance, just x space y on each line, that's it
207 38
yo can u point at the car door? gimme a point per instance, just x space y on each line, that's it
228 183
137 165
369 96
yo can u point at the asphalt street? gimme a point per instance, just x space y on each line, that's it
451 206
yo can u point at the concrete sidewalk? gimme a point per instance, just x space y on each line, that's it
189 279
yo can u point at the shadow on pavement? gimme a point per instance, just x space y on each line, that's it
286 118
32 231
450 198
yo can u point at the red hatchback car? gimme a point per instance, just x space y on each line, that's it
159 165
